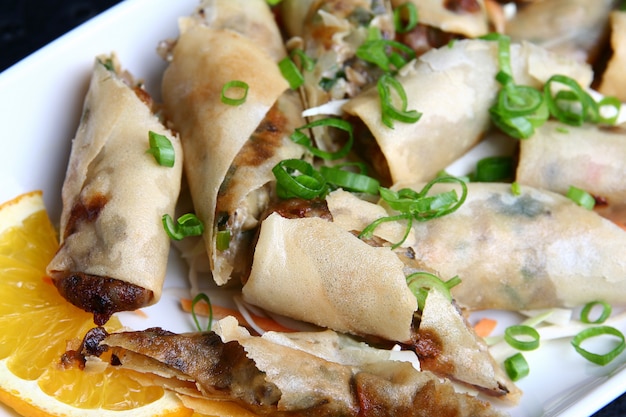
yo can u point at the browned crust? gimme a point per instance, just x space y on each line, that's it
102 296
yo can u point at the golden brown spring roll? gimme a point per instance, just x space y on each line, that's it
358 288
588 157
453 87
231 148
114 249
534 250
574 28
465 18
613 83
266 376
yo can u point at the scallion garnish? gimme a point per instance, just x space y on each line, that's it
570 104
581 197
530 340
351 181
201 297
240 87
298 178
516 189
410 9
161 148
518 109
516 367
186 225
385 54
599 359
222 239
615 104
306 62
605 314
301 138
494 169
419 206
386 83
291 73
421 282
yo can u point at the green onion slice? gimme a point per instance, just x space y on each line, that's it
186 225
306 62
511 336
386 83
161 148
581 197
201 297
494 169
350 181
421 282
238 99
301 138
516 367
615 104
599 359
291 73
606 312
516 188
385 53
222 240
410 9
571 105
298 178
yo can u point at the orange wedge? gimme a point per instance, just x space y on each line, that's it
36 325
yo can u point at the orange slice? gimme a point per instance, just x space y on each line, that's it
37 324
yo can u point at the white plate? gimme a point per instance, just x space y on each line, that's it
40 102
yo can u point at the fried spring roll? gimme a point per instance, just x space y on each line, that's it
114 250
231 148
588 157
453 87
613 83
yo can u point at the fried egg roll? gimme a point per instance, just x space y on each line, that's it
588 157
453 87
231 149
114 250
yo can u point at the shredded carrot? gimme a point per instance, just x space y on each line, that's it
202 309
485 326
141 313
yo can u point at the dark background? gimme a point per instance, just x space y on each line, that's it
27 25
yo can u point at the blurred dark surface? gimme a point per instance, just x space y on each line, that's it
27 25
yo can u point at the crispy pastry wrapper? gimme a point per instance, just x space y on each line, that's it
472 22
453 87
613 82
231 149
529 251
114 250
574 28
588 157
297 374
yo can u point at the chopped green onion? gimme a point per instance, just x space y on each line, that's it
302 139
306 62
516 367
421 282
511 333
397 17
350 181
186 225
615 104
581 197
235 85
222 239
599 359
389 112
298 178
108 64
273 2
453 282
419 206
516 189
201 297
494 169
161 148
291 73
573 105
385 53
606 312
